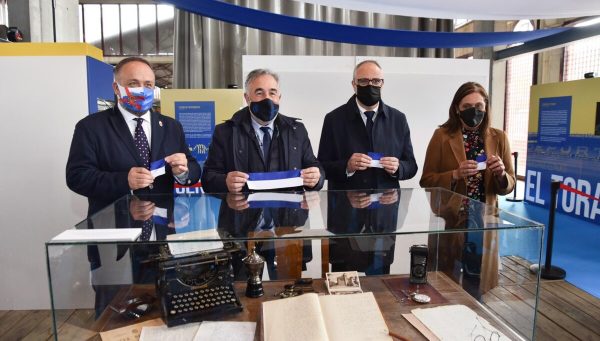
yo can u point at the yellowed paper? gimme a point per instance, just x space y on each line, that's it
332 317
294 319
353 317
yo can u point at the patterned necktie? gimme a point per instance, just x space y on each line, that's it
141 142
370 115
147 227
266 143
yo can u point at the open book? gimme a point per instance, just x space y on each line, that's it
333 317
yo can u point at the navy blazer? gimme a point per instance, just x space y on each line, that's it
229 150
344 133
102 153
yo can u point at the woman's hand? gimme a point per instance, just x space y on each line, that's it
465 169
496 166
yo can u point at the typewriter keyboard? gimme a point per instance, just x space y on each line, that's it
207 299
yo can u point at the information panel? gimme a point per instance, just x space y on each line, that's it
198 121
564 144
555 115
199 111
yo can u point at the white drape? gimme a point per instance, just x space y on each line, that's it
3 13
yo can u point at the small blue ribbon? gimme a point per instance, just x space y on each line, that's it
375 156
157 164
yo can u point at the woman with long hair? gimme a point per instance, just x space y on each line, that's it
467 156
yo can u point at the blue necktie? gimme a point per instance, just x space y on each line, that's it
266 143
370 115
141 142
267 219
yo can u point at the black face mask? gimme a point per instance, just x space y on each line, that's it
265 110
368 95
472 117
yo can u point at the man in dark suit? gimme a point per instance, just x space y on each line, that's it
112 150
366 124
353 213
238 218
259 139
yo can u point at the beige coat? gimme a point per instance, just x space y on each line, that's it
444 154
446 151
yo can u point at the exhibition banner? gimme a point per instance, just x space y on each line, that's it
564 145
199 111
198 121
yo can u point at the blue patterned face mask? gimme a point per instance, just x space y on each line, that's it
136 100
265 110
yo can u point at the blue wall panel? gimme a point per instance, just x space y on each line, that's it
99 81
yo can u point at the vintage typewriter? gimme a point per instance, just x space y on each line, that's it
197 287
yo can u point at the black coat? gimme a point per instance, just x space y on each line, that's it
229 150
344 133
102 153
364 252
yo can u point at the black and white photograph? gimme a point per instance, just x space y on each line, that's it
345 282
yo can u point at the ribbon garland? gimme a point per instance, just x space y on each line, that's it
359 35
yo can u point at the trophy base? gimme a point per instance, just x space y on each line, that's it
254 290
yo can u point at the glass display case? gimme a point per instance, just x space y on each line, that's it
178 260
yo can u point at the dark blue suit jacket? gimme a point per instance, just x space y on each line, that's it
344 133
102 153
229 150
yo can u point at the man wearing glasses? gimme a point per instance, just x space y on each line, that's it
365 144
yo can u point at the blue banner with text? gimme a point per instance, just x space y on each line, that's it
198 121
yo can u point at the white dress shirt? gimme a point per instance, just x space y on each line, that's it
362 112
259 133
132 123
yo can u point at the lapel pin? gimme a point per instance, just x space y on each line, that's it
160 123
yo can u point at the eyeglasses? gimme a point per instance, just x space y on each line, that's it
372 81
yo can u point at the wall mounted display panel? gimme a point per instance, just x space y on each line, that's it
564 145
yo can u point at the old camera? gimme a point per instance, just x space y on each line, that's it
418 264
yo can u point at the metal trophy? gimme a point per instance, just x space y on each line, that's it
254 266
